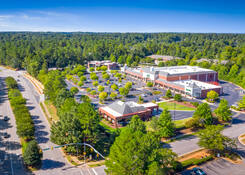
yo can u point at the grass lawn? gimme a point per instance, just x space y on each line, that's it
52 110
170 106
181 123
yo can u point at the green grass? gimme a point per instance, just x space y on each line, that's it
181 123
45 113
171 106
52 110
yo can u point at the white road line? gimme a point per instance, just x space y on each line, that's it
94 171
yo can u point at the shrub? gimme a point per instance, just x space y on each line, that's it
192 123
79 74
74 90
11 83
32 155
149 84
156 92
168 94
196 104
178 97
80 83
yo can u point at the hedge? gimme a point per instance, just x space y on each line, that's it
24 123
194 161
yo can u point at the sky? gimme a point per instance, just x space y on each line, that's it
199 16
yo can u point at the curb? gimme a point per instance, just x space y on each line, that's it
239 139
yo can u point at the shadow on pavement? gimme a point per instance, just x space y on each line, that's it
51 164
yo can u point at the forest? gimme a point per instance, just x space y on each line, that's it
34 51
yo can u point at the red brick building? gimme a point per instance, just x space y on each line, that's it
110 65
189 80
119 113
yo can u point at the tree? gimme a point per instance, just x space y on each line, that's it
149 84
123 91
101 88
11 83
211 138
204 114
103 96
93 92
93 76
140 100
114 87
80 83
113 58
32 155
108 82
103 68
137 152
113 95
165 124
83 78
178 97
106 76
241 103
91 69
85 99
168 94
128 85
74 90
95 83
223 111
212 96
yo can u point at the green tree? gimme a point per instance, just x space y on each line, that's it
149 84
123 91
178 97
166 126
80 83
85 99
103 96
128 85
223 111
93 92
241 103
91 69
204 114
106 76
168 94
103 68
95 83
113 58
132 154
32 155
93 76
11 83
140 100
212 96
101 88
74 90
114 87
113 95
212 138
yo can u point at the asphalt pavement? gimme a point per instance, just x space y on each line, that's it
53 162
10 148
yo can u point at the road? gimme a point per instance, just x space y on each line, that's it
53 162
10 148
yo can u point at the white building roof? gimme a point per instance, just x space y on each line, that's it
182 69
200 84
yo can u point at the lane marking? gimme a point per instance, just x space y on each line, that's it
94 171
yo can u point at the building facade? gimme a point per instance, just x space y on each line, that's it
119 113
190 80
110 65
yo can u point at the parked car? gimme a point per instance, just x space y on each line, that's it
144 95
198 171
6 135
6 118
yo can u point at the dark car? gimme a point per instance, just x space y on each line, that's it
6 118
6 135
198 171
